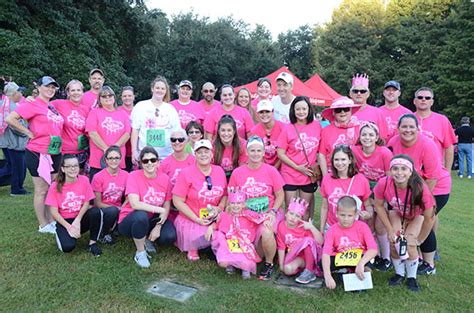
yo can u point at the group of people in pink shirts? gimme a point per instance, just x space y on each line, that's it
238 176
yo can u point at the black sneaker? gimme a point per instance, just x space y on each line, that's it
94 250
266 272
424 268
412 284
396 280
383 265
107 239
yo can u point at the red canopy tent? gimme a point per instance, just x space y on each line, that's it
299 88
318 84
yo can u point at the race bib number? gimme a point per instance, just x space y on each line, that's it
234 246
348 258
55 143
259 204
203 213
82 142
155 138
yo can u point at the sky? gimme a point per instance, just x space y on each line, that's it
276 16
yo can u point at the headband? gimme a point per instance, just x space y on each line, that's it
371 125
401 161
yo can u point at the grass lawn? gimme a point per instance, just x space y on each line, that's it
35 276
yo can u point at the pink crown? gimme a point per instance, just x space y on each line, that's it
360 80
236 195
298 206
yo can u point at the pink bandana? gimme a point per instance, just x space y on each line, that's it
400 161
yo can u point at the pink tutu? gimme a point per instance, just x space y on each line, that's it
223 255
297 251
190 235
279 217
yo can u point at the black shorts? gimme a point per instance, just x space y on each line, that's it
309 188
441 201
32 162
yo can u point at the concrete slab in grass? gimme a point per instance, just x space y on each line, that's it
171 290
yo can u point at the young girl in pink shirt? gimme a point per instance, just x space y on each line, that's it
347 237
299 243
410 216
68 198
233 235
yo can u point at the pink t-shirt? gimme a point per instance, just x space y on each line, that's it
189 112
72 197
154 191
287 237
333 189
374 166
226 162
289 141
172 167
43 123
208 108
270 140
261 183
128 145
331 136
74 124
89 100
247 226
192 186
243 120
110 126
384 190
392 116
426 165
111 187
339 239
373 114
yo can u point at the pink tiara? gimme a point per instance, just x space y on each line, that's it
401 161
360 80
298 206
236 195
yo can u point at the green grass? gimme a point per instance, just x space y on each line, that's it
35 276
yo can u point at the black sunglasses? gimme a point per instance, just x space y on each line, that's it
361 91
268 139
181 139
53 109
157 112
209 182
152 160
426 98
339 110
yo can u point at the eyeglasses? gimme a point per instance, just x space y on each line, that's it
426 98
264 112
157 112
107 96
114 158
194 132
339 110
53 109
361 91
209 182
71 166
208 91
181 139
152 160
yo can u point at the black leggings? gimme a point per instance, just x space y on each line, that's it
91 221
137 225
430 244
111 214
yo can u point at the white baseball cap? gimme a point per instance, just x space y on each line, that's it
265 105
286 77
204 143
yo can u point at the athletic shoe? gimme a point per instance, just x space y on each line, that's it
436 256
141 258
48 228
266 272
460 176
305 277
396 280
94 250
107 239
245 275
469 177
412 284
426 269
150 246
383 265
230 270
20 193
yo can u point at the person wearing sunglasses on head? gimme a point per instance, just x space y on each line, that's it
392 109
43 150
199 195
106 127
359 93
188 109
175 162
268 129
344 129
153 120
145 213
208 102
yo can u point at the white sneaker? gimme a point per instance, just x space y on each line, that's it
141 258
48 228
469 177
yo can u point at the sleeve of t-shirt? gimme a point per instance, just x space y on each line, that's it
328 247
97 183
135 117
89 193
126 122
322 144
91 121
431 165
280 237
278 182
367 191
427 197
52 196
182 185
383 127
248 121
379 189
176 124
386 158
169 195
368 237
449 135
26 110
322 190
282 141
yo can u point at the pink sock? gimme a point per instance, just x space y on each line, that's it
384 246
309 259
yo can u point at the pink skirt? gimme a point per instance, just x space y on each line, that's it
190 235
223 254
297 251
258 234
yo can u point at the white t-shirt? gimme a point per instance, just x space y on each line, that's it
282 111
155 127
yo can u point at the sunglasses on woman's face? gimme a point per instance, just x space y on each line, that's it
107 96
181 139
152 160
339 110
194 132
209 182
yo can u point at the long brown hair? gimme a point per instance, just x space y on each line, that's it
219 146
352 170
61 178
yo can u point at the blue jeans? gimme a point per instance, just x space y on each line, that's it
465 151
18 169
